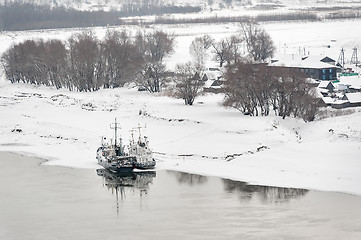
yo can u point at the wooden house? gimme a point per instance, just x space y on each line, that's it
354 99
315 67
327 85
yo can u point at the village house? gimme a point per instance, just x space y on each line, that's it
315 67
325 87
354 99
213 80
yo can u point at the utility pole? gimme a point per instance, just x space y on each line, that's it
341 58
354 59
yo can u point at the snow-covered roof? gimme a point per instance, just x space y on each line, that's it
352 81
213 75
324 84
354 97
208 83
328 100
301 61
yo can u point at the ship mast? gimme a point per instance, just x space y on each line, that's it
115 126
132 134
139 127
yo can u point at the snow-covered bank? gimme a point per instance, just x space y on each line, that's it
66 128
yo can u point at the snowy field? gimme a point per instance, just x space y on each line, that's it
66 127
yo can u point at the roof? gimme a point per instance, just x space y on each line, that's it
213 75
325 84
353 81
328 100
299 61
327 59
354 97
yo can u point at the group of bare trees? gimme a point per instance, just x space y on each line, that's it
250 85
257 89
85 63
251 44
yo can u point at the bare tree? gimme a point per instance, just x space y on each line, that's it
220 51
158 45
122 58
188 82
10 61
294 95
155 47
152 76
244 89
258 42
254 88
233 47
198 50
86 66
227 50
55 57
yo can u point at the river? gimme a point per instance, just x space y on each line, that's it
48 202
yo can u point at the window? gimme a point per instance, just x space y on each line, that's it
330 70
324 71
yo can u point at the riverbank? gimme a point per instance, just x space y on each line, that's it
66 128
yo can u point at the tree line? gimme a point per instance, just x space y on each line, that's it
280 17
85 63
17 16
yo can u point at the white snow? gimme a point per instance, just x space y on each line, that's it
66 127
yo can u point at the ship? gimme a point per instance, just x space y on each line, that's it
141 151
112 156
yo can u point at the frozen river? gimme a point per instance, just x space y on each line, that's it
47 202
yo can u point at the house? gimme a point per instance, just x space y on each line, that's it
327 85
328 60
315 67
212 80
354 99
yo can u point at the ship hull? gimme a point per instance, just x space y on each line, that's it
116 164
145 166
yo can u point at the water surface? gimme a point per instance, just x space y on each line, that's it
47 202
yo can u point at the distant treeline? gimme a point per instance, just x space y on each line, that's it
27 16
155 10
300 16
259 18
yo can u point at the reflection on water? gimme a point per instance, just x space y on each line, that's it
264 193
188 178
118 182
